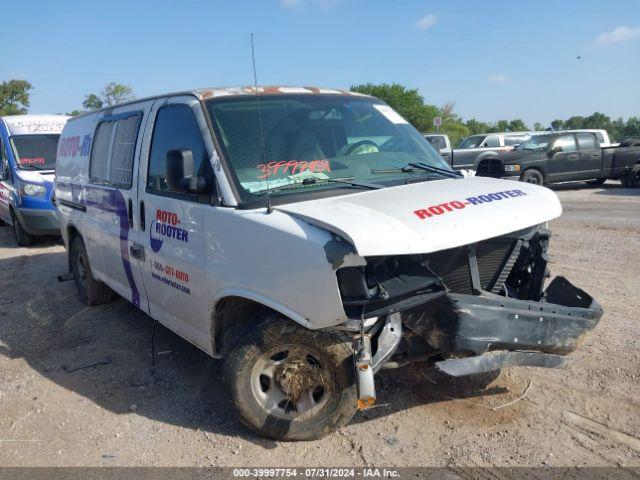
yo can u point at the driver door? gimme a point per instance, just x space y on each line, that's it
563 164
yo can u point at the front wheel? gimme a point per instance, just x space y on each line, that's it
23 239
532 176
633 177
290 383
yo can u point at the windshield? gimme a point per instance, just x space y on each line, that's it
537 143
474 141
35 152
279 142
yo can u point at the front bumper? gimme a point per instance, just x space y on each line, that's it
39 222
472 326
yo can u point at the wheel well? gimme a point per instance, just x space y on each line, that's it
231 318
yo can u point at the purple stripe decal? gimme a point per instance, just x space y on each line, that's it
108 200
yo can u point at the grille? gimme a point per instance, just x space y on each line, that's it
490 167
492 256
454 268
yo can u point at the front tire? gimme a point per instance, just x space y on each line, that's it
91 291
532 176
23 239
290 383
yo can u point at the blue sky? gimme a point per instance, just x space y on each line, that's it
495 59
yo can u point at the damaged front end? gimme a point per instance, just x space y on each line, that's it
471 309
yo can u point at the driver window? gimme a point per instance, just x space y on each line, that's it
5 172
565 143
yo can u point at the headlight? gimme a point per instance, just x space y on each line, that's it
33 190
512 168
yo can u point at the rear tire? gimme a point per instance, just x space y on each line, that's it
23 239
632 178
630 142
91 291
290 383
532 176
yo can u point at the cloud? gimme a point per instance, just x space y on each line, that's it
498 78
617 35
427 21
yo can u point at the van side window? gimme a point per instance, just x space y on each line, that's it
586 141
176 127
113 150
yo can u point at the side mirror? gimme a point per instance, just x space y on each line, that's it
181 175
553 150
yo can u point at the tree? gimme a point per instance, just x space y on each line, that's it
517 125
557 124
14 97
476 127
407 102
574 123
538 127
112 94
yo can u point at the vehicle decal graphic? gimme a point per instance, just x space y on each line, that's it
164 226
109 200
454 205
71 146
170 276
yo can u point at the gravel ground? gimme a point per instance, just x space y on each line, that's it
78 387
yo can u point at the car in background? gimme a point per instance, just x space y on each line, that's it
474 148
28 146
563 156
441 143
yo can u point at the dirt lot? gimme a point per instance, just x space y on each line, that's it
77 385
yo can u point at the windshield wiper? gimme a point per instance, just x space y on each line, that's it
412 167
313 181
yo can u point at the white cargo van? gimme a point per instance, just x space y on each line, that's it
310 237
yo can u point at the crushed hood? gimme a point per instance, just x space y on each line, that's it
430 216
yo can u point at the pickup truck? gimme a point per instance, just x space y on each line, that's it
564 156
474 148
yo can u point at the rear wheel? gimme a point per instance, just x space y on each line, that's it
23 239
532 176
290 383
91 291
633 177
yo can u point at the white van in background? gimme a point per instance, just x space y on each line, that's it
309 236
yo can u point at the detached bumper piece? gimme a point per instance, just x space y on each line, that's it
526 333
459 367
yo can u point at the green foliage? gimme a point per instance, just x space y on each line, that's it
14 97
410 104
112 94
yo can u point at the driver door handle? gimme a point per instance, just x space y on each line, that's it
137 251
573 156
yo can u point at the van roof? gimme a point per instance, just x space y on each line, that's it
219 92
34 124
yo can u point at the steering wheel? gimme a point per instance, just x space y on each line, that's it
353 149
